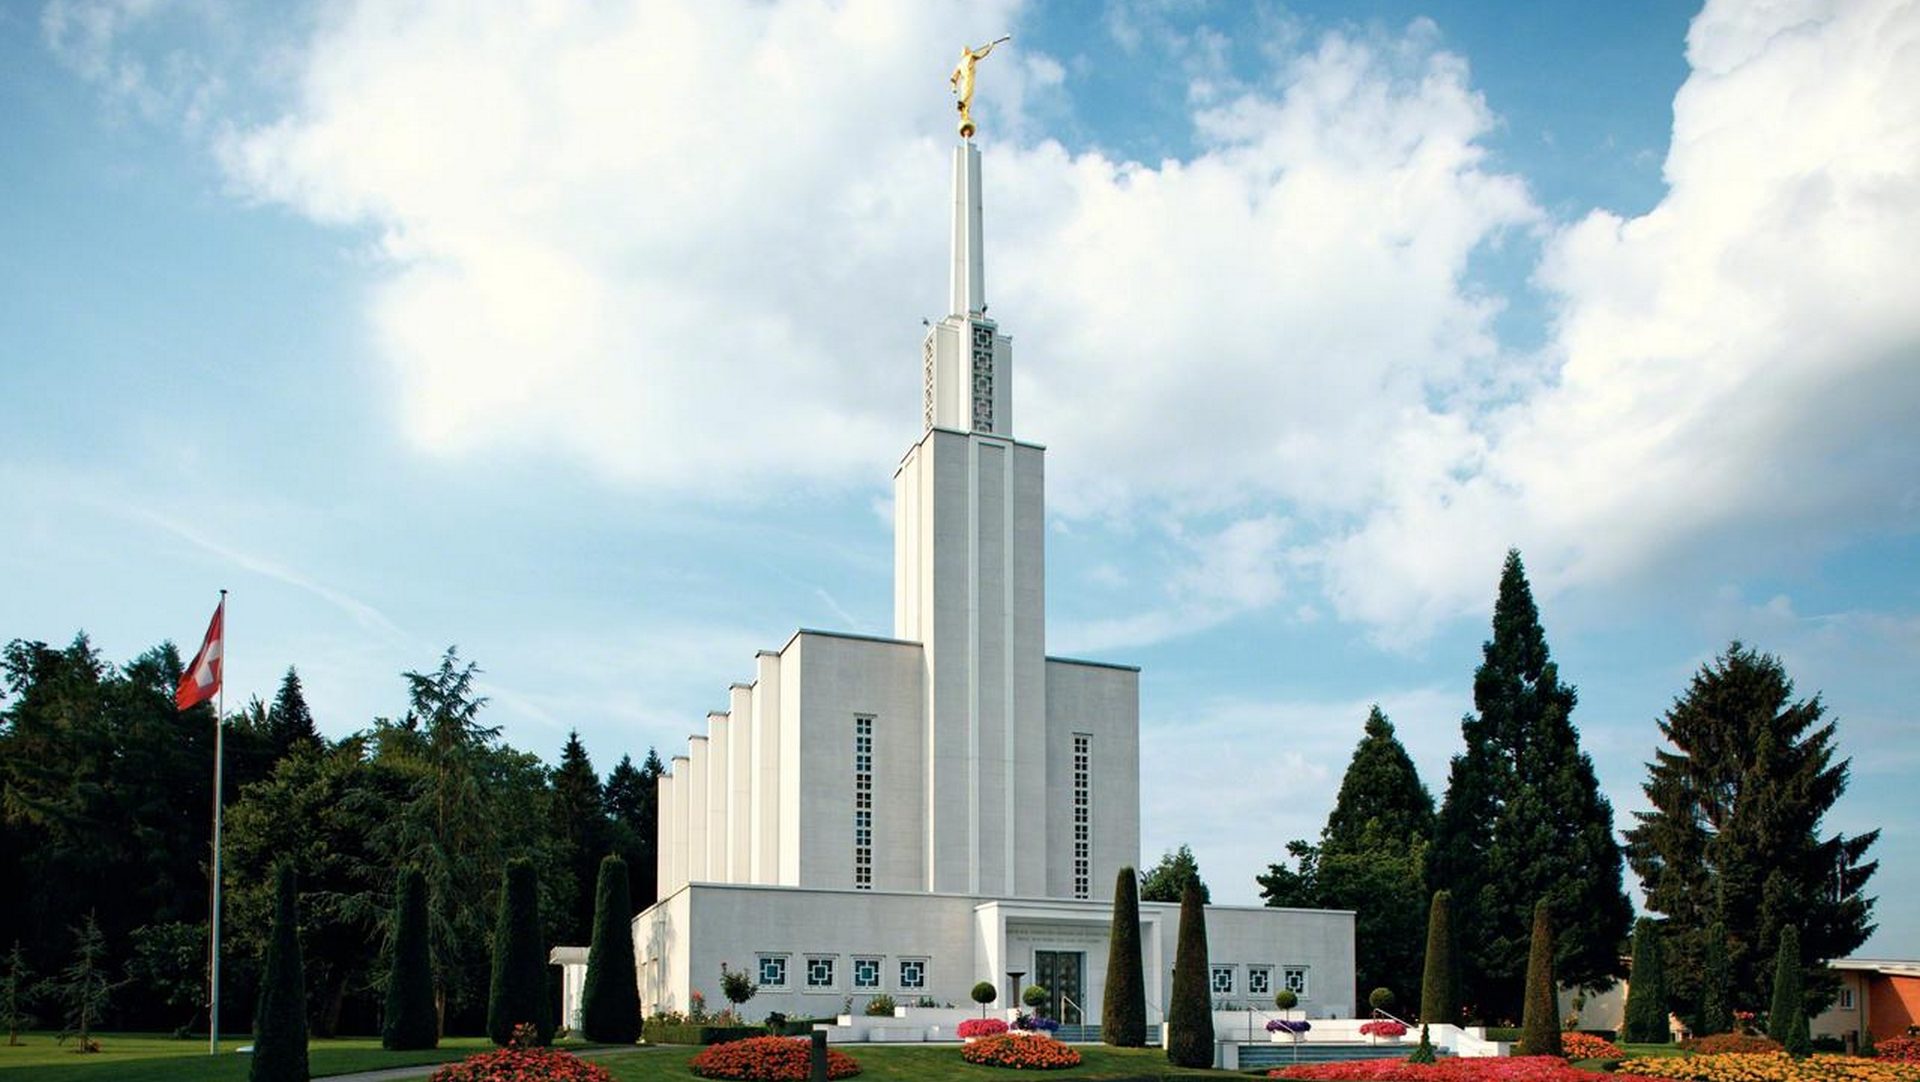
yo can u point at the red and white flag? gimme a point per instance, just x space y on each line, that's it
202 678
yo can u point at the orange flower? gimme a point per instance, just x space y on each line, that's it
1021 1053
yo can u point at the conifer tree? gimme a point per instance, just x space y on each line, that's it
584 830
410 1022
1540 1019
518 993
83 988
1787 1018
280 1020
1437 981
1646 1013
1190 1004
290 725
16 988
1716 1001
1168 880
1123 1007
1524 819
1423 1052
610 1002
1735 835
632 805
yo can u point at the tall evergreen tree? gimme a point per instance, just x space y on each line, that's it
280 1020
410 1022
1715 1011
1370 859
1524 820
1190 1003
1787 1017
1439 994
582 826
1735 836
633 795
1123 1008
1646 1013
518 994
16 991
610 1002
290 725
1168 880
1540 1018
83 988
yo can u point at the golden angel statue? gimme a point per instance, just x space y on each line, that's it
962 81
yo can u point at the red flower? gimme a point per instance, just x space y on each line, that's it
980 1027
768 1058
516 1064
1021 1052
1451 1069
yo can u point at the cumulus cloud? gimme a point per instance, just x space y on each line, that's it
684 246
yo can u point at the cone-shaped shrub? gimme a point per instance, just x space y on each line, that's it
280 1019
610 1003
1423 1052
1190 1006
1716 984
1787 1019
518 994
1646 1016
1438 1002
411 1021
1540 1017
1123 1009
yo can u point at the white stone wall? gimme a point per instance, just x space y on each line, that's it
1102 701
1241 936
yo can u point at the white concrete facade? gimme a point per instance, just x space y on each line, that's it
915 813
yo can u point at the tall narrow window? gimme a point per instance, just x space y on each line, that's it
1082 815
862 803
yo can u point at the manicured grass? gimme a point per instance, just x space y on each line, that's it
146 1057
931 1063
1652 1051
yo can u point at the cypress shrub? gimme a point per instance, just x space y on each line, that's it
517 995
1716 981
1123 1007
1438 991
1646 1014
1190 1005
1787 1018
411 1021
1540 1017
610 1002
1423 1052
280 1019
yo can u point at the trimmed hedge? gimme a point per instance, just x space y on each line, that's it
698 1033
1190 1005
610 1003
1540 1014
1123 1009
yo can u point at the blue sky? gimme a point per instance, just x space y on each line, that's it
587 341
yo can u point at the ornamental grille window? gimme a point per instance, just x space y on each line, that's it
1221 980
928 384
773 970
982 379
913 974
820 972
1294 979
1259 980
863 803
866 973
1082 815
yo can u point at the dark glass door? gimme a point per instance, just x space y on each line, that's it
1062 974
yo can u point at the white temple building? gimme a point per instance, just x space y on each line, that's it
912 815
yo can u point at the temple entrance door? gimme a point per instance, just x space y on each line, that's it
1062 974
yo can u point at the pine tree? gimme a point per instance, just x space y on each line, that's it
1540 1019
632 804
1190 1004
1168 880
410 1021
1646 1013
610 1002
1423 1052
1524 819
582 826
16 989
1438 990
1735 832
1370 859
290 725
1787 1019
1716 1000
280 1019
1123 1007
83 989
518 993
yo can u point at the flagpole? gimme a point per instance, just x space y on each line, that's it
219 748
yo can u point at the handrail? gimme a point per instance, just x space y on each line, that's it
1378 1013
1067 1000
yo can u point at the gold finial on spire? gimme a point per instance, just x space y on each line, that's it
962 81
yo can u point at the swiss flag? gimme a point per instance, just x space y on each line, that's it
202 678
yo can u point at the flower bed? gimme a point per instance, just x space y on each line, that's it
980 1027
1505 1069
1384 1027
1034 1023
1899 1049
768 1058
515 1064
1730 1042
1033 1053
1771 1067
1289 1025
1588 1046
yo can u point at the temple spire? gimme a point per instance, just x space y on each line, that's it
969 279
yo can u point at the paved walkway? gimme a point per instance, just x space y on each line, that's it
397 1074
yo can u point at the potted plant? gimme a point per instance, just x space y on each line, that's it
984 993
1286 1000
1036 997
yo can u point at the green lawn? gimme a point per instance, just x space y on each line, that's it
146 1057
928 1063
